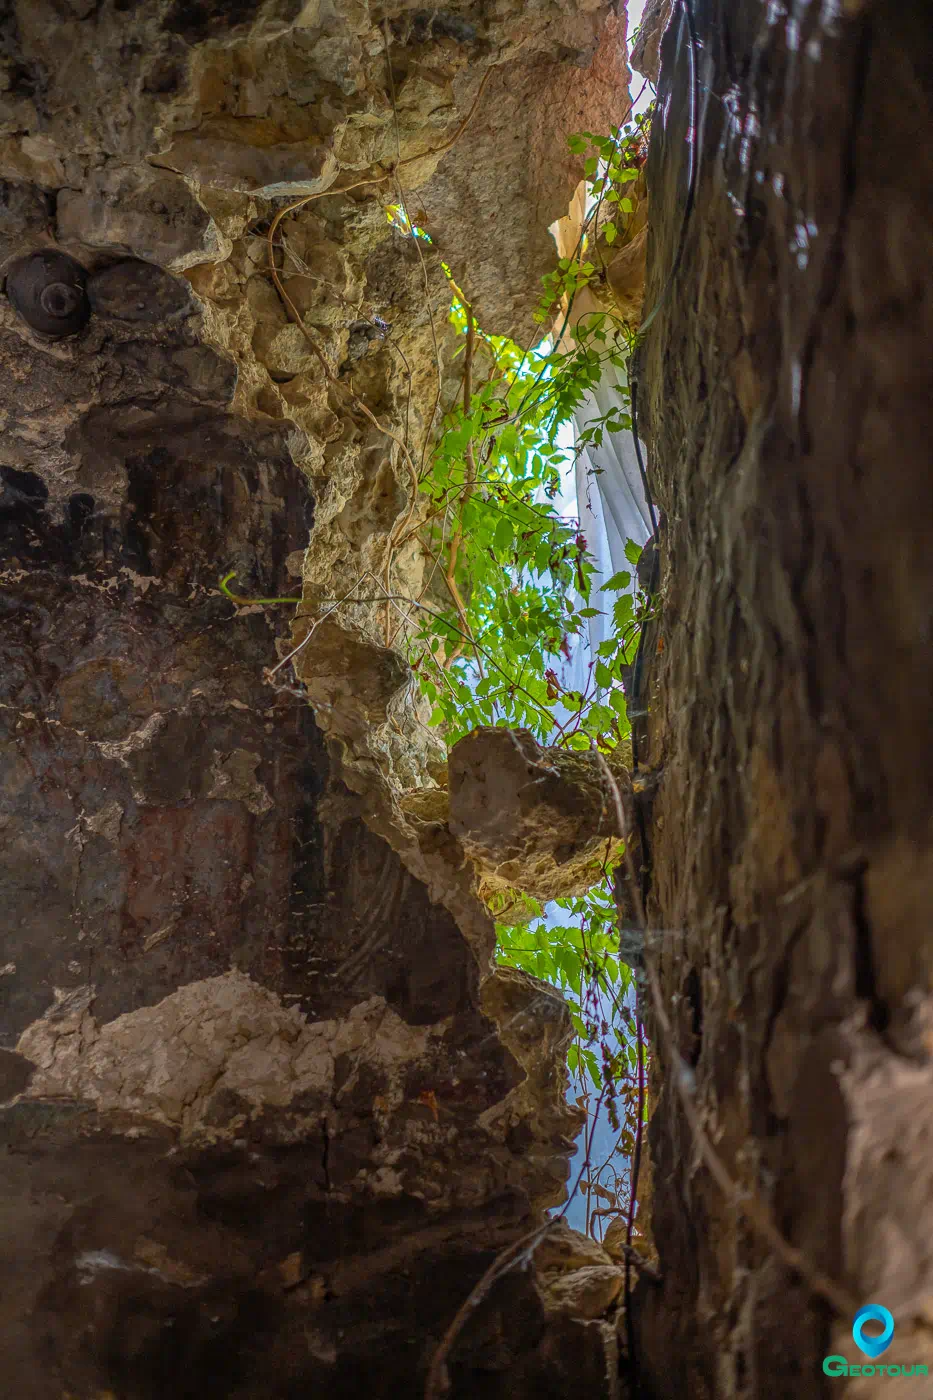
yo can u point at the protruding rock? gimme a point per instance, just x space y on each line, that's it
132 290
646 49
585 1293
562 1250
151 213
352 677
542 820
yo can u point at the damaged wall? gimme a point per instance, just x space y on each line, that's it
789 404
268 1115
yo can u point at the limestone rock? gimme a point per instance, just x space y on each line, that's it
542 820
132 290
151 213
642 1243
563 1250
563 75
25 214
625 276
426 804
586 1293
287 1065
348 674
580 1358
536 1118
646 49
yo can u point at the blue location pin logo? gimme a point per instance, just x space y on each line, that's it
873 1346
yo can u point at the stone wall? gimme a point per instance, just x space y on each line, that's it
787 395
268 1113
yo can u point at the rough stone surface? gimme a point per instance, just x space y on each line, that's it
542 820
789 404
562 1250
152 213
646 50
587 1293
271 1116
572 78
519 1347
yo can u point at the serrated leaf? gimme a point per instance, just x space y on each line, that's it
619 581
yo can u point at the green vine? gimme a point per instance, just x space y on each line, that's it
515 577
249 602
511 583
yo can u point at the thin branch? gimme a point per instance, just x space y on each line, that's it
746 1200
454 592
312 341
437 1383
517 1254
451 574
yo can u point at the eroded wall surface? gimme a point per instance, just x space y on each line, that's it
267 1114
787 394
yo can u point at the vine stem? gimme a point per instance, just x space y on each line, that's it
312 340
437 1383
746 1200
249 602
470 483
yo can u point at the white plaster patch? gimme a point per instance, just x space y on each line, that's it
141 582
99 1261
888 1183
107 822
225 1033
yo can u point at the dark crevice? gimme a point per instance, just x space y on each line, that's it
866 985
693 995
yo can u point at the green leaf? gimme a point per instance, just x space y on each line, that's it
617 701
503 536
609 232
632 551
622 610
619 582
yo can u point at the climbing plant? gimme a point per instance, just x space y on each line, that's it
512 585
513 577
513 588
517 575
